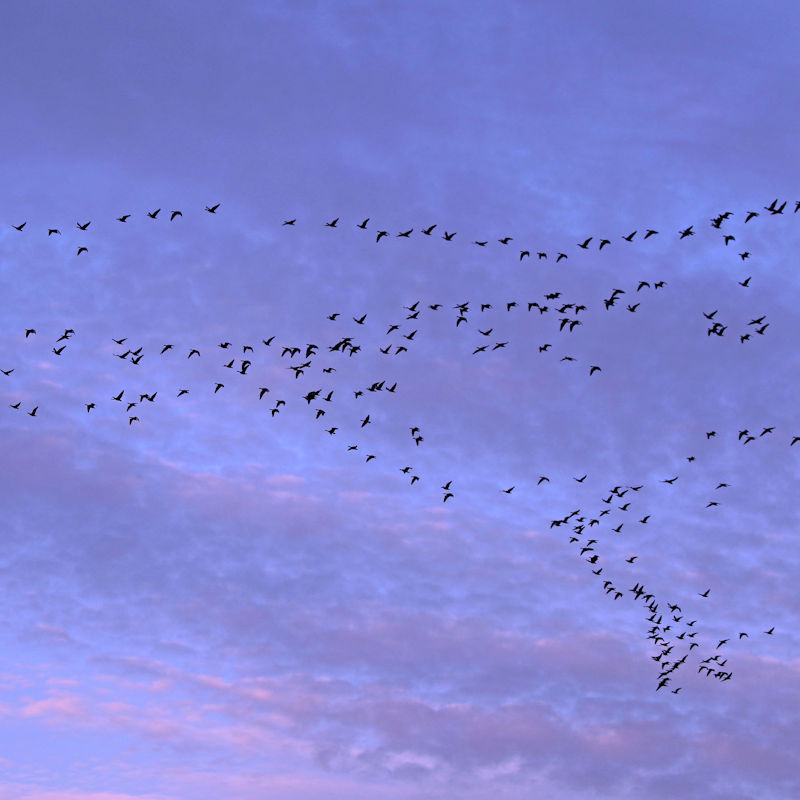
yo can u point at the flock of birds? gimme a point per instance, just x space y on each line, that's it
619 506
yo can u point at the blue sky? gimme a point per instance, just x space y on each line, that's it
212 598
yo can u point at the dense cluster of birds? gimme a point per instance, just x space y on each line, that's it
621 506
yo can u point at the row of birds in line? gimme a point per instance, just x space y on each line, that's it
342 345
775 208
659 630
347 343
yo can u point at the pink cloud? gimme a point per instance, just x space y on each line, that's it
57 708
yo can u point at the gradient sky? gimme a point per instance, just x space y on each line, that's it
215 601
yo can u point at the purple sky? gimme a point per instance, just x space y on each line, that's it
212 600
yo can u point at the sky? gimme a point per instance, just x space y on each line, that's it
325 557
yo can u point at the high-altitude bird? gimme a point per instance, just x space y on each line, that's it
213 209
772 207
